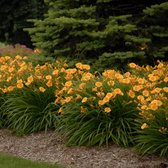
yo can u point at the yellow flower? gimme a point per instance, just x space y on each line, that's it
3 67
118 91
20 85
9 79
30 79
144 126
7 58
19 81
79 65
126 81
82 85
39 77
87 67
111 83
62 69
100 94
109 95
4 90
165 79
84 100
23 65
69 77
141 80
107 109
109 73
137 88
49 83
94 89
86 76
68 99
157 102
165 89
106 99
42 89
118 76
131 94
145 93
11 69
71 71
140 98
55 72
18 57
160 65
27 83
68 83
149 98
98 84
127 74
138 68
156 90
10 88
78 96
144 107
153 78
101 102
132 65
153 107
48 77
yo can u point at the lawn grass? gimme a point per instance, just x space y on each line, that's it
7 161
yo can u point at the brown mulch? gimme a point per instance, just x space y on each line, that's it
49 147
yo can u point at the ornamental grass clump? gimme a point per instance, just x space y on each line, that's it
27 111
30 94
152 134
97 110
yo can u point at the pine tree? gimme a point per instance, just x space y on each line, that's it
154 25
106 31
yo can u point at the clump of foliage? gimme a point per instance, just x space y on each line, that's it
98 110
153 103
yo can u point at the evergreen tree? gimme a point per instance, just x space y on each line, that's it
154 26
104 30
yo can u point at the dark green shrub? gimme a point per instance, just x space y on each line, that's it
99 30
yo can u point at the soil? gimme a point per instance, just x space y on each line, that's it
51 148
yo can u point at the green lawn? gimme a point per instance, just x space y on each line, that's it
7 161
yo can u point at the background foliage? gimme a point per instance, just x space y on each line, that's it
13 18
106 32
